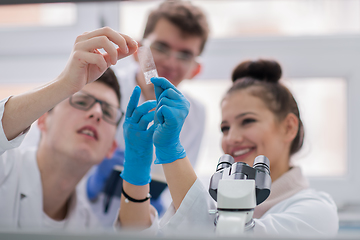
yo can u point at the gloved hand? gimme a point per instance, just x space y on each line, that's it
171 111
97 180
138 140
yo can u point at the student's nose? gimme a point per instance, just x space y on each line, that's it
171 60
235 136
95 112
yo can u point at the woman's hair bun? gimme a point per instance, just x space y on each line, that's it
262 69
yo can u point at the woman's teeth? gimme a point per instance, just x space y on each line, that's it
241 152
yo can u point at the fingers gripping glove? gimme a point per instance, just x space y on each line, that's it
171 111
138 140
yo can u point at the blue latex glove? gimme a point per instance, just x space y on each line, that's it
138 140
97 180
171 111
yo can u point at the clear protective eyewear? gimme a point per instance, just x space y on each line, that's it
85 101
162 50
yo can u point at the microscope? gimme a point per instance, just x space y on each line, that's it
238 188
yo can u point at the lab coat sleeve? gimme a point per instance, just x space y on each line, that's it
192 217
308 213
5 144
6 163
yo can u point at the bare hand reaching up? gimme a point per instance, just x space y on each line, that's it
87 63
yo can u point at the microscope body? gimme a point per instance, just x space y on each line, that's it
238 188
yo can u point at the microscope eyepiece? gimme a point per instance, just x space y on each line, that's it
262 163
225 161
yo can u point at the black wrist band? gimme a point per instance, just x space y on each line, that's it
128 198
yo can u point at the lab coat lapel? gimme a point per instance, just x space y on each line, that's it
290 183
31 197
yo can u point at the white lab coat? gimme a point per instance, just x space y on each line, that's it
21 198
306 213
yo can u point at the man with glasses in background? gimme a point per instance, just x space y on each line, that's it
176 33
78 114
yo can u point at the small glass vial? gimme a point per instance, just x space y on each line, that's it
147 63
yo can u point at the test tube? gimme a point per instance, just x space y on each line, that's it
147 63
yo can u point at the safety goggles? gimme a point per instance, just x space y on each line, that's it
161 50
85 101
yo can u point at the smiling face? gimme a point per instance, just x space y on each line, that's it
250 129
79 134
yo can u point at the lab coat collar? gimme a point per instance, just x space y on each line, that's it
287 185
